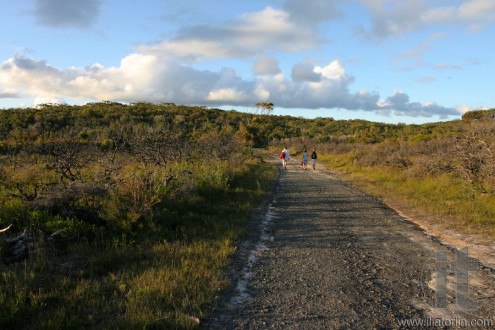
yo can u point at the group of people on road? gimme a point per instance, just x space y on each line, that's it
285 156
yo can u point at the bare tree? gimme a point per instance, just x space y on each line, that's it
25 193
111 152
68 158
159 147
475 158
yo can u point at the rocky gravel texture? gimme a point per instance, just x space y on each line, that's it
323 255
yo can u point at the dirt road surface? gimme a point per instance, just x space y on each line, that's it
323 255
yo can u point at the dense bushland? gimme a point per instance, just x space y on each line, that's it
20 126
121 216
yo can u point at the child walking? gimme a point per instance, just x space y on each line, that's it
305 159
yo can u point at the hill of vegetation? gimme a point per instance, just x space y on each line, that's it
93 120
104 199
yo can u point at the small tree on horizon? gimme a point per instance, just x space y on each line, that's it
265 107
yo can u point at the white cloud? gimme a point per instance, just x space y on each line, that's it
48 100
192 49
466 108
261 94
251 35
273 29
227 95
25 74
329 91
334 71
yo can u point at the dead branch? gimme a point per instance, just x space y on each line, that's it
5 229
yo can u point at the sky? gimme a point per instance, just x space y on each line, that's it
409 61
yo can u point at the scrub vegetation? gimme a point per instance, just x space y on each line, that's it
125 216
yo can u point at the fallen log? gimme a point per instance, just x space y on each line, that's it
17 238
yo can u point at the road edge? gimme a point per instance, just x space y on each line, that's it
478 247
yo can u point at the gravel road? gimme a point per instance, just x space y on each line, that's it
323 255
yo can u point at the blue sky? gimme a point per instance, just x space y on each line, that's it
410 61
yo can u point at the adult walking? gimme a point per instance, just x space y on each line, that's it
284 155
314 156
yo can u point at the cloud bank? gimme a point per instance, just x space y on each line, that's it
148 77
251 35
398 17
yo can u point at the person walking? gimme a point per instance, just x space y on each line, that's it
314 156
284 155
305 159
